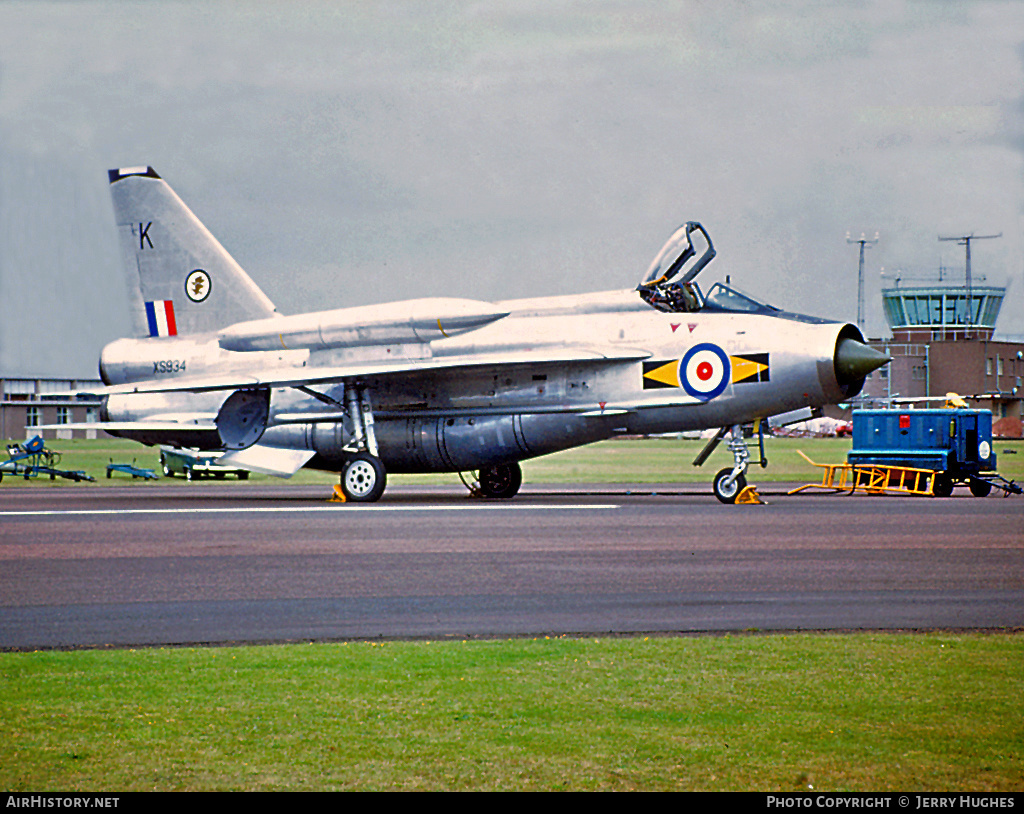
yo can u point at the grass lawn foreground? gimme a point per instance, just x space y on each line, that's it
825 712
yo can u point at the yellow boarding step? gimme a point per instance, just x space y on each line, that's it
871 478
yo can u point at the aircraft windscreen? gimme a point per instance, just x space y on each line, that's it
725 298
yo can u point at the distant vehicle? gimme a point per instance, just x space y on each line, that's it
193 464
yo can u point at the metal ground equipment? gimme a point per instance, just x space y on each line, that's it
131 469
32 459
927 452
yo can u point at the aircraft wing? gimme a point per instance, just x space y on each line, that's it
299 377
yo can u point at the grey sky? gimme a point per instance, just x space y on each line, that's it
356 152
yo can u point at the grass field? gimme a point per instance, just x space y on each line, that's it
650 460
873 712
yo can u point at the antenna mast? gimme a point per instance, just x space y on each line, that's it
860 275
965 240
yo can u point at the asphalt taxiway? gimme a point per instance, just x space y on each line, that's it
154 564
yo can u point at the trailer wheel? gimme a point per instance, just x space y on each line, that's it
979 487
942 485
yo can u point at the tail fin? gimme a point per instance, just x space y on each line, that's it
181 280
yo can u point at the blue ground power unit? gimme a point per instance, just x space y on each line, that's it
955 443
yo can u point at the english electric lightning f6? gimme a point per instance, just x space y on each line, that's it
445 384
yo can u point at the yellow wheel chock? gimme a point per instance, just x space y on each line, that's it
749 495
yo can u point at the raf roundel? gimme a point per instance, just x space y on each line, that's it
704 371
197 285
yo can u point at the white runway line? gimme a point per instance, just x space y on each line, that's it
341 507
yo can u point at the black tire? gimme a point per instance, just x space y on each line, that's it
363 479
979 487
500 481
727 492
942 485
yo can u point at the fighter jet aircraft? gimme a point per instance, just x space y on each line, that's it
444 384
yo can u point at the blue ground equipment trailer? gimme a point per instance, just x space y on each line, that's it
32 459
954 443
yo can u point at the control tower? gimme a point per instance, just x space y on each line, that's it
942 342
939 312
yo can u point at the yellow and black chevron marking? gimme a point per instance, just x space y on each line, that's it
661 374
753 367
750 368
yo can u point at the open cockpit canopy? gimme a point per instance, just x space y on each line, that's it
669 283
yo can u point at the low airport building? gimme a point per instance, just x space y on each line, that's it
29 403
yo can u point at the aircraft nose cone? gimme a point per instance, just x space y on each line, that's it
854 360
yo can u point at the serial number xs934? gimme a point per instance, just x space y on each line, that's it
169 366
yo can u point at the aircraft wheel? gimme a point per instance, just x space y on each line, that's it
942 486
979 487
727 492
363 479
501 480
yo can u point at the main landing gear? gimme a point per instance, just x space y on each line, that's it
500 481
363 477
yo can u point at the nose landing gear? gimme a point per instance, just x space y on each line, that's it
730 485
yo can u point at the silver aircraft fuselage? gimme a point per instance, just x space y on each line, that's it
507 407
